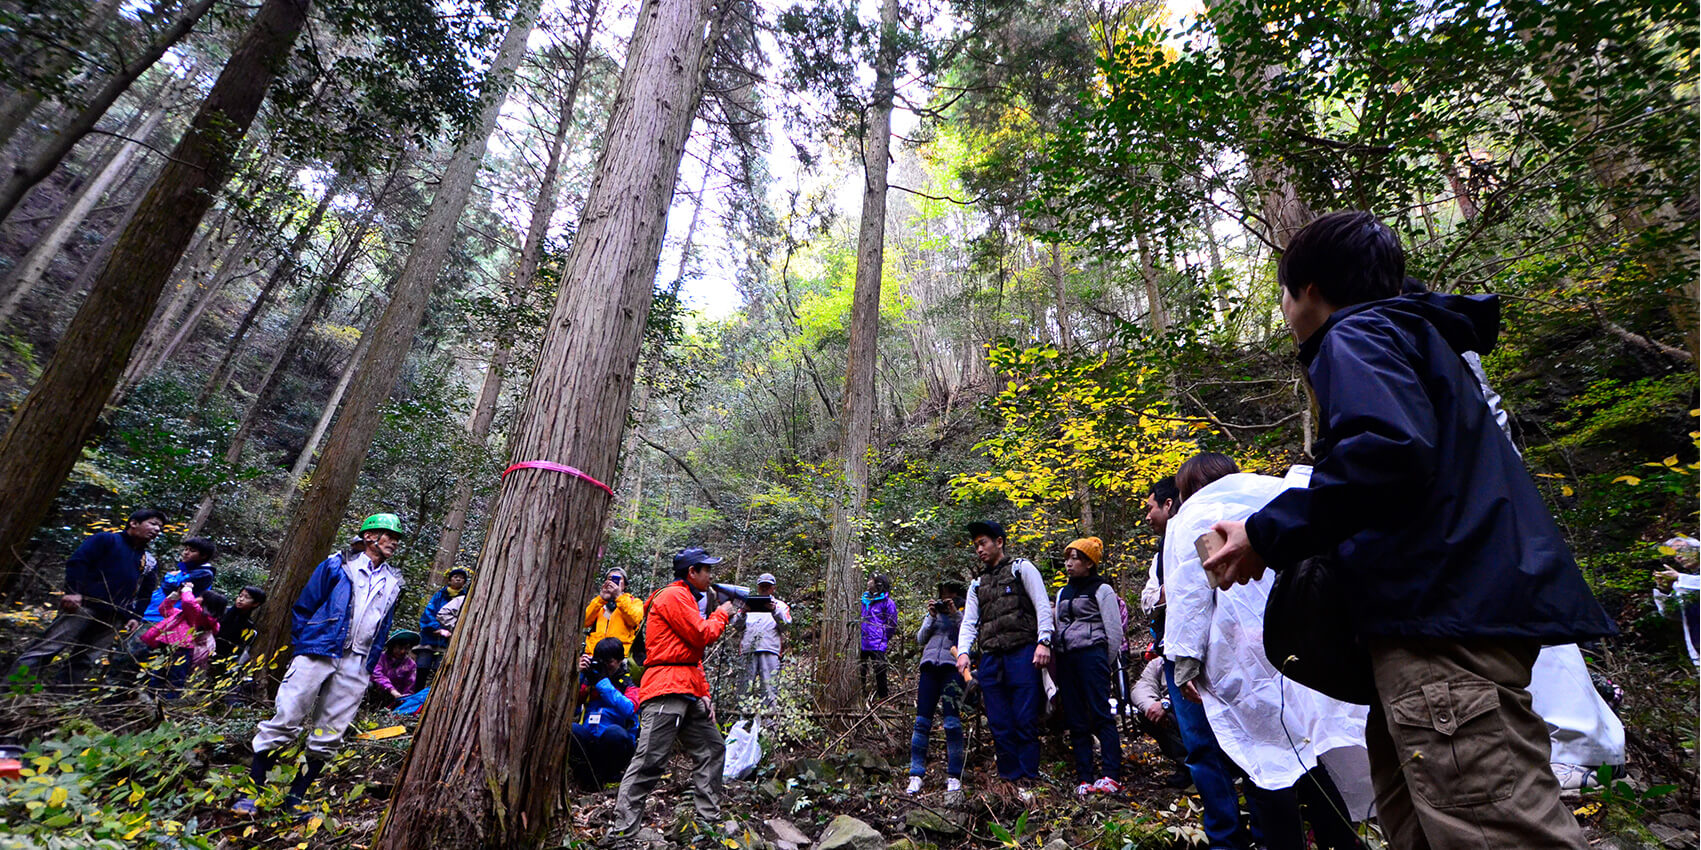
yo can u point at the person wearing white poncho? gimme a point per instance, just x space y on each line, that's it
1272 728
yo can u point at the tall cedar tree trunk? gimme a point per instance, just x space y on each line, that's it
29 271
47 433
488 764
840 621
21 101
41 163
313 526
292 343
280 274
478 426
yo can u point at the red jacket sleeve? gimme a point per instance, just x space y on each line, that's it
676 607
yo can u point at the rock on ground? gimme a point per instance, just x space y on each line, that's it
848 833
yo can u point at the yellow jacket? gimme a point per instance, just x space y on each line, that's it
622 622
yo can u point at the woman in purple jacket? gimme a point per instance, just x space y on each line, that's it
879 623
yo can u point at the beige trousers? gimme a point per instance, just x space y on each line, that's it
1458 757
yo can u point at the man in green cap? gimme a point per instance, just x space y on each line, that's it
342 618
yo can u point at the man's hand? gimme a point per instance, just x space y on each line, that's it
443 633
395 693
1235 562
584 664
1190 691
71 603
1042 655
1664 579
131 625
1155 712
610 591
963 665
727 608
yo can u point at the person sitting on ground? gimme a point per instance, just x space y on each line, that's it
879 624
1151 699
1276 730
393 676
674 697
108 579
1457 571
1009 614
1583 732
341 622
613 613
1087 635
939 687
606 737
185 637
761 642
433 635
194 566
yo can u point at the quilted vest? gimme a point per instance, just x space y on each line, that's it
1007 618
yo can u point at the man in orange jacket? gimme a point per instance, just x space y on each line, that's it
674 697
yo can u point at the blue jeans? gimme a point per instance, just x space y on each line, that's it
1212 771
940 687
1014 698
1083 686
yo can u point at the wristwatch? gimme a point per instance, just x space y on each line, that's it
1045 642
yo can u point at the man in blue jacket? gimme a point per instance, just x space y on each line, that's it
1456 571
108 579
342 619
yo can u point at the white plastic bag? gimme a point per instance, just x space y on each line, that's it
743 750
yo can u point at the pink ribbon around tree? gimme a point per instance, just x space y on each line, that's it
562 468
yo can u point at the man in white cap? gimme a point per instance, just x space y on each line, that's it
764 624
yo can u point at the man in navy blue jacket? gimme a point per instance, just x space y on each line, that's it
341 621
1456 571
108 579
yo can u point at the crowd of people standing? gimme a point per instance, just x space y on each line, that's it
1456 705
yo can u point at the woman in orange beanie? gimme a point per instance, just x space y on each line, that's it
1086 638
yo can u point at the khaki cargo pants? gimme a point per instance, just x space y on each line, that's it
1458 757
662 720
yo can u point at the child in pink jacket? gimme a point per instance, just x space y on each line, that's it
187 633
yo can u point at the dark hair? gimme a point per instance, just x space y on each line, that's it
207 548
1350 255
1202 469
214 603
989 529
1164 490
608 648
256 593
146 514
1412 286
881 582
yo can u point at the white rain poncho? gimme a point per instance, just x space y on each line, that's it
1580 725
1273 728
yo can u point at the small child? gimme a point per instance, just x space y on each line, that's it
237 625
393 676
194 566
187 630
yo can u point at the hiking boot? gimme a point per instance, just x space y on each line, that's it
1574 777
1106 785
245 806
1082 790
953 784
914 786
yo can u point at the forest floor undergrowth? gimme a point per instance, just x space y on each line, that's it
103 768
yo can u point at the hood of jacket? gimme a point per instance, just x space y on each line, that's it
1465 322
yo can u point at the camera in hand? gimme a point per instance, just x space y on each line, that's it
756 603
